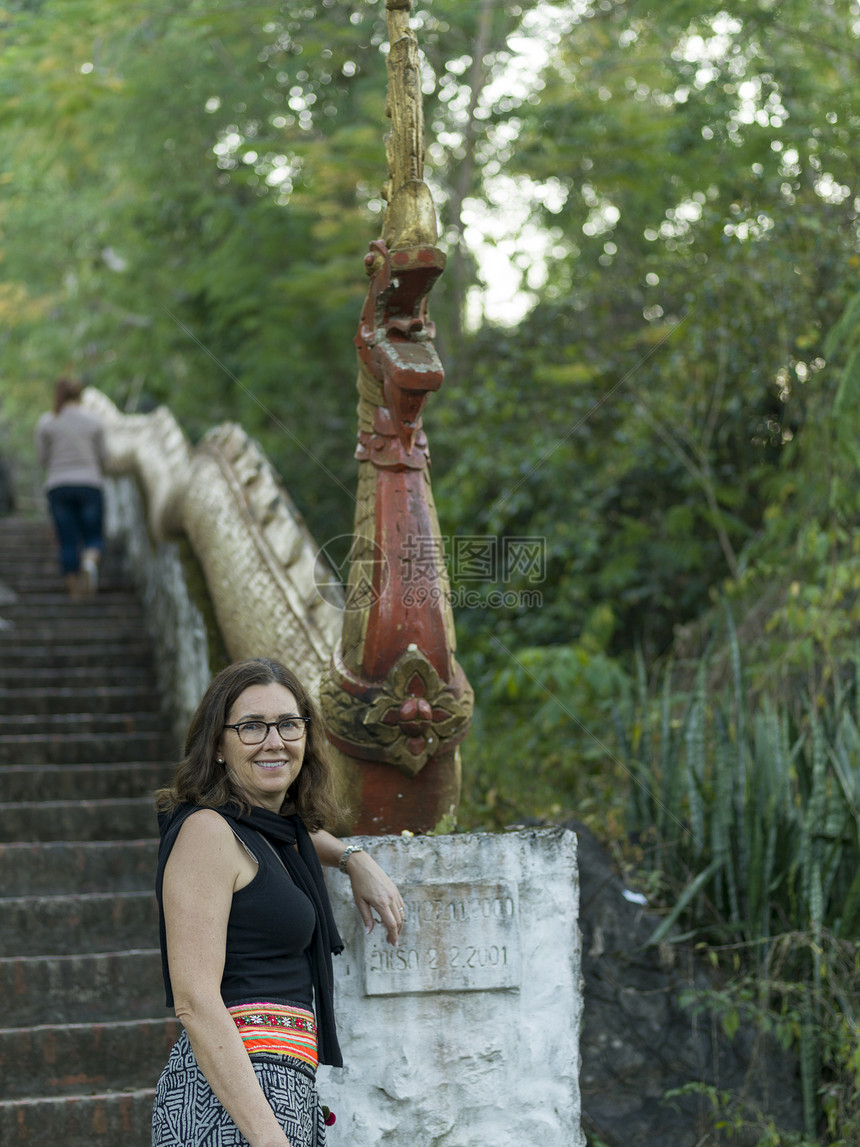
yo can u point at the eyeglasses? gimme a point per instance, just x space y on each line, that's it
255 732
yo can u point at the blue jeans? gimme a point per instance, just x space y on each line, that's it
77 514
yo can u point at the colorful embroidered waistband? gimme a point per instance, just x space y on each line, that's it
277 1028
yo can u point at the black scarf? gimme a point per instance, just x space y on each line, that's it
283 833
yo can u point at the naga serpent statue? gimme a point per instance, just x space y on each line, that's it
395 701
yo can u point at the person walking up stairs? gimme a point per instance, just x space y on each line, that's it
84 1031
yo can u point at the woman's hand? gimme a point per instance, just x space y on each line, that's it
374 890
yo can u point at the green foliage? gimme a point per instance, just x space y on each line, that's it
537 746
662 411
804 995
748 811
186 198
446 825
758 807
733 1119
148 246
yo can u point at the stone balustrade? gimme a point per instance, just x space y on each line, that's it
225 563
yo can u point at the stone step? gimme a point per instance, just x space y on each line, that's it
81 724
40 584
77 989
15 556
80 748
36 544
35 1062
25 542
19 528
34 581
77 699
42 607
53 868
39 545
19 541
39 607
67 925
80 782
108 1118
17 535
107 654
83 746
71 630
124 819
46 578
42 562
16 524
39 553
81 676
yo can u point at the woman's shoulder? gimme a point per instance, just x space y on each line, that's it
197 842
203 836
204 823
205 853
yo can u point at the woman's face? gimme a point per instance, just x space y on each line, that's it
263 773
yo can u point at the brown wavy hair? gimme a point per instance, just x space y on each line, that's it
66 390
200 780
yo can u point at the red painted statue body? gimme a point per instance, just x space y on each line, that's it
396 702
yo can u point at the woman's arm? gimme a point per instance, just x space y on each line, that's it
199 880
372 888
41 442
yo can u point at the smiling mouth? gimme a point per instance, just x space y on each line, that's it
270 764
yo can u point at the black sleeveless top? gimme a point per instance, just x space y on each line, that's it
281 930
268 934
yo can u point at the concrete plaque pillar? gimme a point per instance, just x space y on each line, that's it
468 1032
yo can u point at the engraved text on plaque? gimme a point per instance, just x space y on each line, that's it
458 937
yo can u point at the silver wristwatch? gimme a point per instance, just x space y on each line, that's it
347 853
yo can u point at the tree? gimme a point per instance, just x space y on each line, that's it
188 199
648 411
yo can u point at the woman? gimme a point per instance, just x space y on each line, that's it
70 447
246 927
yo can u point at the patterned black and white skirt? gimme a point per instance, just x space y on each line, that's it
188 1114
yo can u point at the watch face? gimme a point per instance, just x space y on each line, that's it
347 853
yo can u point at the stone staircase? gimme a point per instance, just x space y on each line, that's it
84 1032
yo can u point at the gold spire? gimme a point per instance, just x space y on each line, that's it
410 217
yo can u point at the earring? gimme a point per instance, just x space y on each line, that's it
220 760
